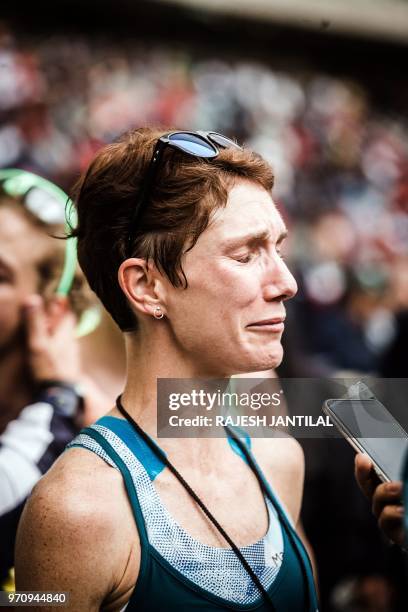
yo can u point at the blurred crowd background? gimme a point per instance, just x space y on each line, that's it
341 163
340 155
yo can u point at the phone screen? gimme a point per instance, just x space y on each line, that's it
376 430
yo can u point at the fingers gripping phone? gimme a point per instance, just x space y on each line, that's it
371 429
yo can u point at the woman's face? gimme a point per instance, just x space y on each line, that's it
21 246
230 318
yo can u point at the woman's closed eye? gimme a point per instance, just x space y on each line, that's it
246 257
250 255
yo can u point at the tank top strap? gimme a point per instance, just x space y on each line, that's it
159 584
245 438
242 441
106 446
287 523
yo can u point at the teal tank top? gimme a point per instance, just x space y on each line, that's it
177 573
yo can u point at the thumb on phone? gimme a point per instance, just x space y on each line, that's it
366 477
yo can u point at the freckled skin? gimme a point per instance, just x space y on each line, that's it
79 510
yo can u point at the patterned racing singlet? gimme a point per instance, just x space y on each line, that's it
181 574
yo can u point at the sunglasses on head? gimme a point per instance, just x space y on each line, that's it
50 204
205 145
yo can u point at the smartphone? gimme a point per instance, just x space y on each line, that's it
371 429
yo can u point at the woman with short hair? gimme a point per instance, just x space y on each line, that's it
181 241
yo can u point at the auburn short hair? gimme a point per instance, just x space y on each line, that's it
186 191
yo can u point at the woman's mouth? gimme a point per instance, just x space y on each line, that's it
272 325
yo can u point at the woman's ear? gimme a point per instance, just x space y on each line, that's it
139 285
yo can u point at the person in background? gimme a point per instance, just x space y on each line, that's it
32 441
42 299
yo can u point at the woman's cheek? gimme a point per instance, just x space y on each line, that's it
250 278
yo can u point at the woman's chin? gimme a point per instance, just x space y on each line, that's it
261 367
272 360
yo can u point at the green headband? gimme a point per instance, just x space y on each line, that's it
50 204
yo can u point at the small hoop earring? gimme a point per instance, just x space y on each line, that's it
157 313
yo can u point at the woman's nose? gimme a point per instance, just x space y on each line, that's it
281 284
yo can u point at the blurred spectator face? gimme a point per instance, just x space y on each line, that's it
235 282
334 237
22 247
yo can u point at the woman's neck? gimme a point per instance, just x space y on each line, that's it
155 357
148 362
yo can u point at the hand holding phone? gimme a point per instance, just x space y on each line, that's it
371 429
384 497
382 450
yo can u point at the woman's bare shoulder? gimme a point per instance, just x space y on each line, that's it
80 472
79 486
78 510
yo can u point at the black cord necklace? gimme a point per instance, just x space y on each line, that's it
161 455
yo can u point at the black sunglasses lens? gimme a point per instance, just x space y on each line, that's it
192 144
223 141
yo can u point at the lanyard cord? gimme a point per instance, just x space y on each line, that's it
194 495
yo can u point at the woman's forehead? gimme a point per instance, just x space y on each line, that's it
249 209
22 244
